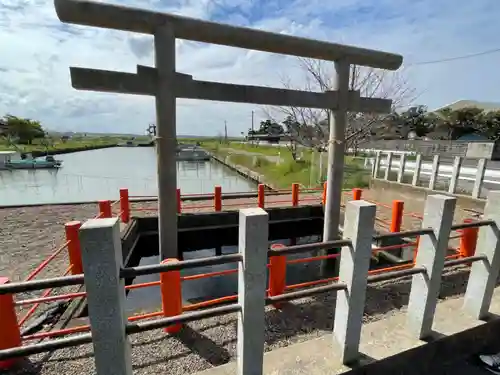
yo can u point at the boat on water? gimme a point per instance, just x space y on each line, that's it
191 153
13 160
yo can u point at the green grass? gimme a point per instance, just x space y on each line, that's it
74 142
288 171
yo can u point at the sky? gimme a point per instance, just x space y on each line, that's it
36 51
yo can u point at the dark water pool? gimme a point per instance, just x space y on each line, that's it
149 299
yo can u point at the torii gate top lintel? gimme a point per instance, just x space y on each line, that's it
91 13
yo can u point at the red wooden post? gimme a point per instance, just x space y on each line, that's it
277 274
105 209
171 295
261 196
468 240
323 197
218 199
179 201
74 251
10 336
295 194
124 206
356 194
397 215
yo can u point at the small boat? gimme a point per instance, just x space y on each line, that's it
13 160
191 153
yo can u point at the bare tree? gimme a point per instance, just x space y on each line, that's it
309 127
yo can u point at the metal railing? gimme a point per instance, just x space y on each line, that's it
102 262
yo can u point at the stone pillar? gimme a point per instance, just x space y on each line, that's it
401 171
434 172
455 173
481 168
483 274
377 165
388 166
432 249
353 270
252 276
102 260
166 142
416 172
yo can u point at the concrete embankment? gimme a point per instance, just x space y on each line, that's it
243 171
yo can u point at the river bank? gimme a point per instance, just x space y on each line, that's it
277 169
60 151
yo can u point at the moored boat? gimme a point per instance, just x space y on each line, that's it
13 160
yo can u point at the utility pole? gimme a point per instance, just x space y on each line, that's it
225 131
252 130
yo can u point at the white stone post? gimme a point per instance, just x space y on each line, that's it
434 172
416 172
376 167
102 261
252 273
432 249
401 171
484 274
481 168
388 165
455 173
353 270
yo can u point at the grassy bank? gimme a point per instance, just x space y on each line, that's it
57 146
264 160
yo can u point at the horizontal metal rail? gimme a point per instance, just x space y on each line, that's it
183 318
395 274
474 224
407 233
305 293
47 346
466 260
131 272
296 249
29 286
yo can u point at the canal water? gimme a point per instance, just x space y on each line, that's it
99 174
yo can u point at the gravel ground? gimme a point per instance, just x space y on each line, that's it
28 235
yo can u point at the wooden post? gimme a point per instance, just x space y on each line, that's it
295 194
105 209
10 336
74 251
171 295
397 215
124 206
217 199
260 196
277 273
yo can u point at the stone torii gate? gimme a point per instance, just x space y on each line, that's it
166 85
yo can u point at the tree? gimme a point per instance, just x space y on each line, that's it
461 121
25 130
490 125
310 127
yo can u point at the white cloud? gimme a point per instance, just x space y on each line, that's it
37 50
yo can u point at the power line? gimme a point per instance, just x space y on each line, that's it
462 57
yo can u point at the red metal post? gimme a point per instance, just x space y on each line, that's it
179 201
218 199
295 194
74 252
277 274
356 194
323 197
261 196
468 240
10 336
171 295
397 215
105 209
124 206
